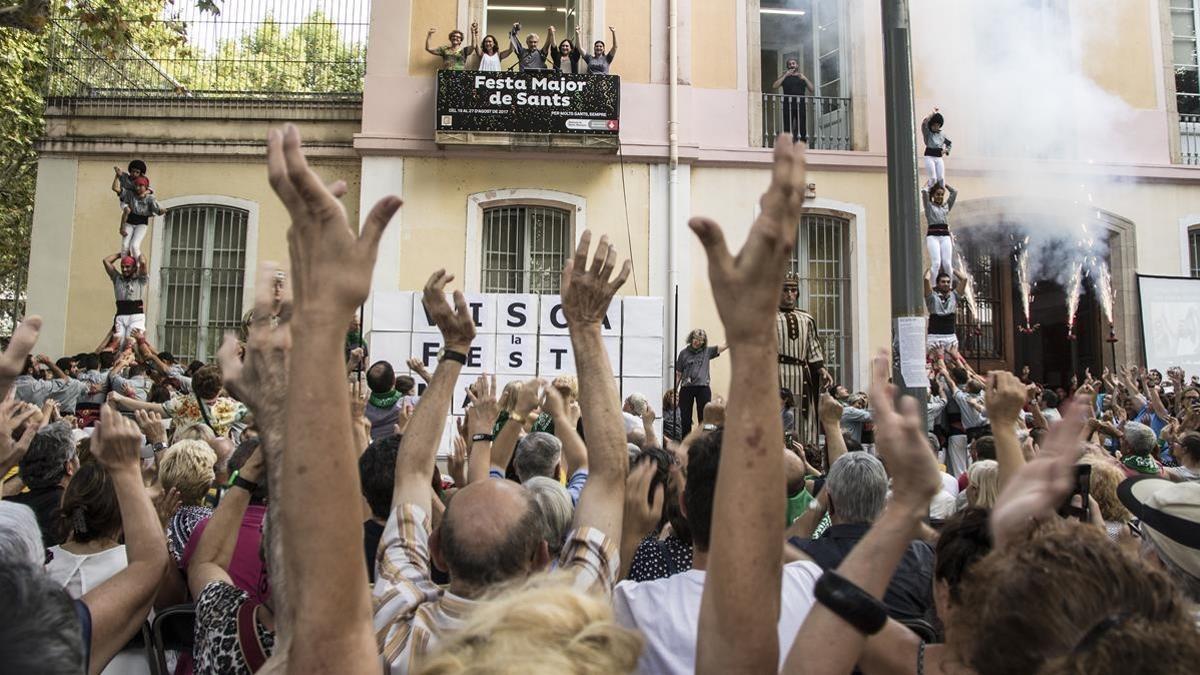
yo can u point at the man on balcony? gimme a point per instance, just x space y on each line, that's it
794 85
530 57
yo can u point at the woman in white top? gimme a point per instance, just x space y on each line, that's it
490 55
91 554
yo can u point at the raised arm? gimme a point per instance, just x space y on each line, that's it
829 412
128 404
320 503
418 448
514 43
481 418
927 284
428 37
586 294
419 368
116 184
961 286
612 53
1156 404
739 610
506 441
951 198
259 379
474 46
120 604
574 452
1127 381
1004 398
12 361
110 267
826 642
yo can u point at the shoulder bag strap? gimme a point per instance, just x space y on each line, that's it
248 643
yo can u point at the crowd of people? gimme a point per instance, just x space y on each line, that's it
566 56
306 524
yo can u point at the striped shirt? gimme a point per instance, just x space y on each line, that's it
412 613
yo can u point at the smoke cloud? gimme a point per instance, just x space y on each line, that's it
1008 78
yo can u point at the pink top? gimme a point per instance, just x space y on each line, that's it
247 568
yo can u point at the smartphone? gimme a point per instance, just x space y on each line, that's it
1083 485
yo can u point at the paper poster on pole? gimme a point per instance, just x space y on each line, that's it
910 334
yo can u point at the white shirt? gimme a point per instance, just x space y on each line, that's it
667 611
489 62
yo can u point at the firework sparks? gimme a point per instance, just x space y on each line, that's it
1104 290
1074 291
1023 282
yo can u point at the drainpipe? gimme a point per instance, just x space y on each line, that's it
673 174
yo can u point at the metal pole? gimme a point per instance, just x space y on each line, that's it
903 219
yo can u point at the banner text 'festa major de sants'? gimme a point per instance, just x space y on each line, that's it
541 102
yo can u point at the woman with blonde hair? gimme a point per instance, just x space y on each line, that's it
1105 478
186 467
542 626
983 483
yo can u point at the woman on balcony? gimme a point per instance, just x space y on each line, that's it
490 55
454 56
794 85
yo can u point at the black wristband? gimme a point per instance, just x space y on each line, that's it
448 355
851 603
246 485
482 437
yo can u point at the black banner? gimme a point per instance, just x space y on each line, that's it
539 102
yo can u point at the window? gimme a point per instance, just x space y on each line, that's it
982 337
821 263
1194 250
525 248
534 16
1185 17
813 33
204 264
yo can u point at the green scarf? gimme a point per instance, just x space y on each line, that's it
385 400
1141 464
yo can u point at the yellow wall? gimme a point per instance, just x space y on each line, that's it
435 210
1114 38
426 14
714 56
90 298
631 18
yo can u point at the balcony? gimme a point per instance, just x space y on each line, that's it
1189 139
825 120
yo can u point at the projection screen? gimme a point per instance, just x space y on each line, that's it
1171 322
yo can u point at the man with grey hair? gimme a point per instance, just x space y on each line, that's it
46 469
855 493
540 454
1138 444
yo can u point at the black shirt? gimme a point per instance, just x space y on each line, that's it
372 533
909 594
794 85
660 558
45 503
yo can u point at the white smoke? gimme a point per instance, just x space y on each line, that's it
1008 77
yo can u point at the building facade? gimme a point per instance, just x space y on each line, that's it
1092 121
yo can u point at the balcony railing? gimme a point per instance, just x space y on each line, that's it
1189 139
823 120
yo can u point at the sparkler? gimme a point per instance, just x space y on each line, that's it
1074 291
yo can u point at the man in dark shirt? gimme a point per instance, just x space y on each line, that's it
529 56
856 490
795 86
46 469
377 474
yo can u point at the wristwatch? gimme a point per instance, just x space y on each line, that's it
488 438
710 427
450 355
159 446
248 486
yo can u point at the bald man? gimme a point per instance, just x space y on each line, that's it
491 532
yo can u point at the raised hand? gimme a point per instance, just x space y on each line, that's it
1004 397
481 416
455 323
643 508
528 397
714 411
13 414
12 361
901 440
116 441
829 411
331 263
746 287
587 292
1041 485
259 378
150 423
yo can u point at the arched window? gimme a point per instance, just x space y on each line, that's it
524 248
201 278
821 261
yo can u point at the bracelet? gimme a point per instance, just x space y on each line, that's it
851 603
488 438
516 417
450 355
159 446
232 477
248 486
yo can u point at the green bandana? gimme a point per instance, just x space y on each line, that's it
385 400
1141 464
